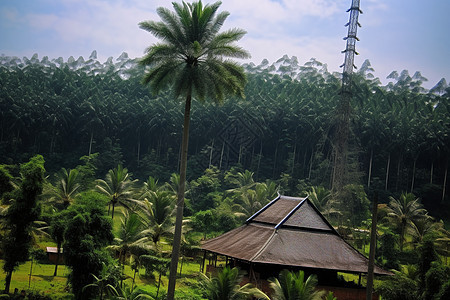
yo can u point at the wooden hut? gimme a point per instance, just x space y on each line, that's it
290 233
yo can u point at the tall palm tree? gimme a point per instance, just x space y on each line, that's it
193 58
118 186
403 212
226 286
293 286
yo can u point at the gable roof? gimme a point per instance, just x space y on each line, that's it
290 231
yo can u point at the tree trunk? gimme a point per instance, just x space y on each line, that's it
445 180
180 201
311 164
159 284
211 153
275 159
138 149
221 155
398 173
293 160
58 250
31 272
181 265
431 172
90 143
259 161
112 211
370 168
413 174
387 172
373 242
8 281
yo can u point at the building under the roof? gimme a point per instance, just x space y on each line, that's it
289 232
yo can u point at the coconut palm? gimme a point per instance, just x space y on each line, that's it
319 196
226 286
292 286
157 216
193 59
130 235
66 188
403 212
118 186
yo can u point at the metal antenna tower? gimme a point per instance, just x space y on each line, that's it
343 109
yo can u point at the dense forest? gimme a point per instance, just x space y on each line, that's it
110 144
66 110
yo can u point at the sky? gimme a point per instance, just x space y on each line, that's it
395 34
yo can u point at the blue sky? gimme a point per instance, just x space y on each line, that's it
395 34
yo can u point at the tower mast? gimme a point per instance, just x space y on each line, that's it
340 175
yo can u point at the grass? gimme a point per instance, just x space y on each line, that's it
42 279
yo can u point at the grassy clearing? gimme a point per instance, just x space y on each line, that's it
43 281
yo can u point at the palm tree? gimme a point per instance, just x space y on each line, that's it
226 286
157 216
292 286
193 59
404 211
319 196
130 235
118 186
66 188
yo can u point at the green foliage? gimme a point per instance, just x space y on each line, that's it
435 278
291 285
398 287
355 204
226 285
5 181
203 191
20 215
427 255
330 296
88 232
387 253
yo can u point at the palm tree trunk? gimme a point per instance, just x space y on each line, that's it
159 284
413 174
445 180
387 172
31 272
373 243
311 164
259 160
370 168
398 173
221 155
293 160
431 172
138 149
90 143
211 153
112 211
180 201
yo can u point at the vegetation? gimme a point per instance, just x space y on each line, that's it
108 195
194 60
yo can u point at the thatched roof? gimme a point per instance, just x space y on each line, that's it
290 232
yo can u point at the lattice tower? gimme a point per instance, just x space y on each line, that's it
340 174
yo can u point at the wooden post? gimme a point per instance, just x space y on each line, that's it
373 242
